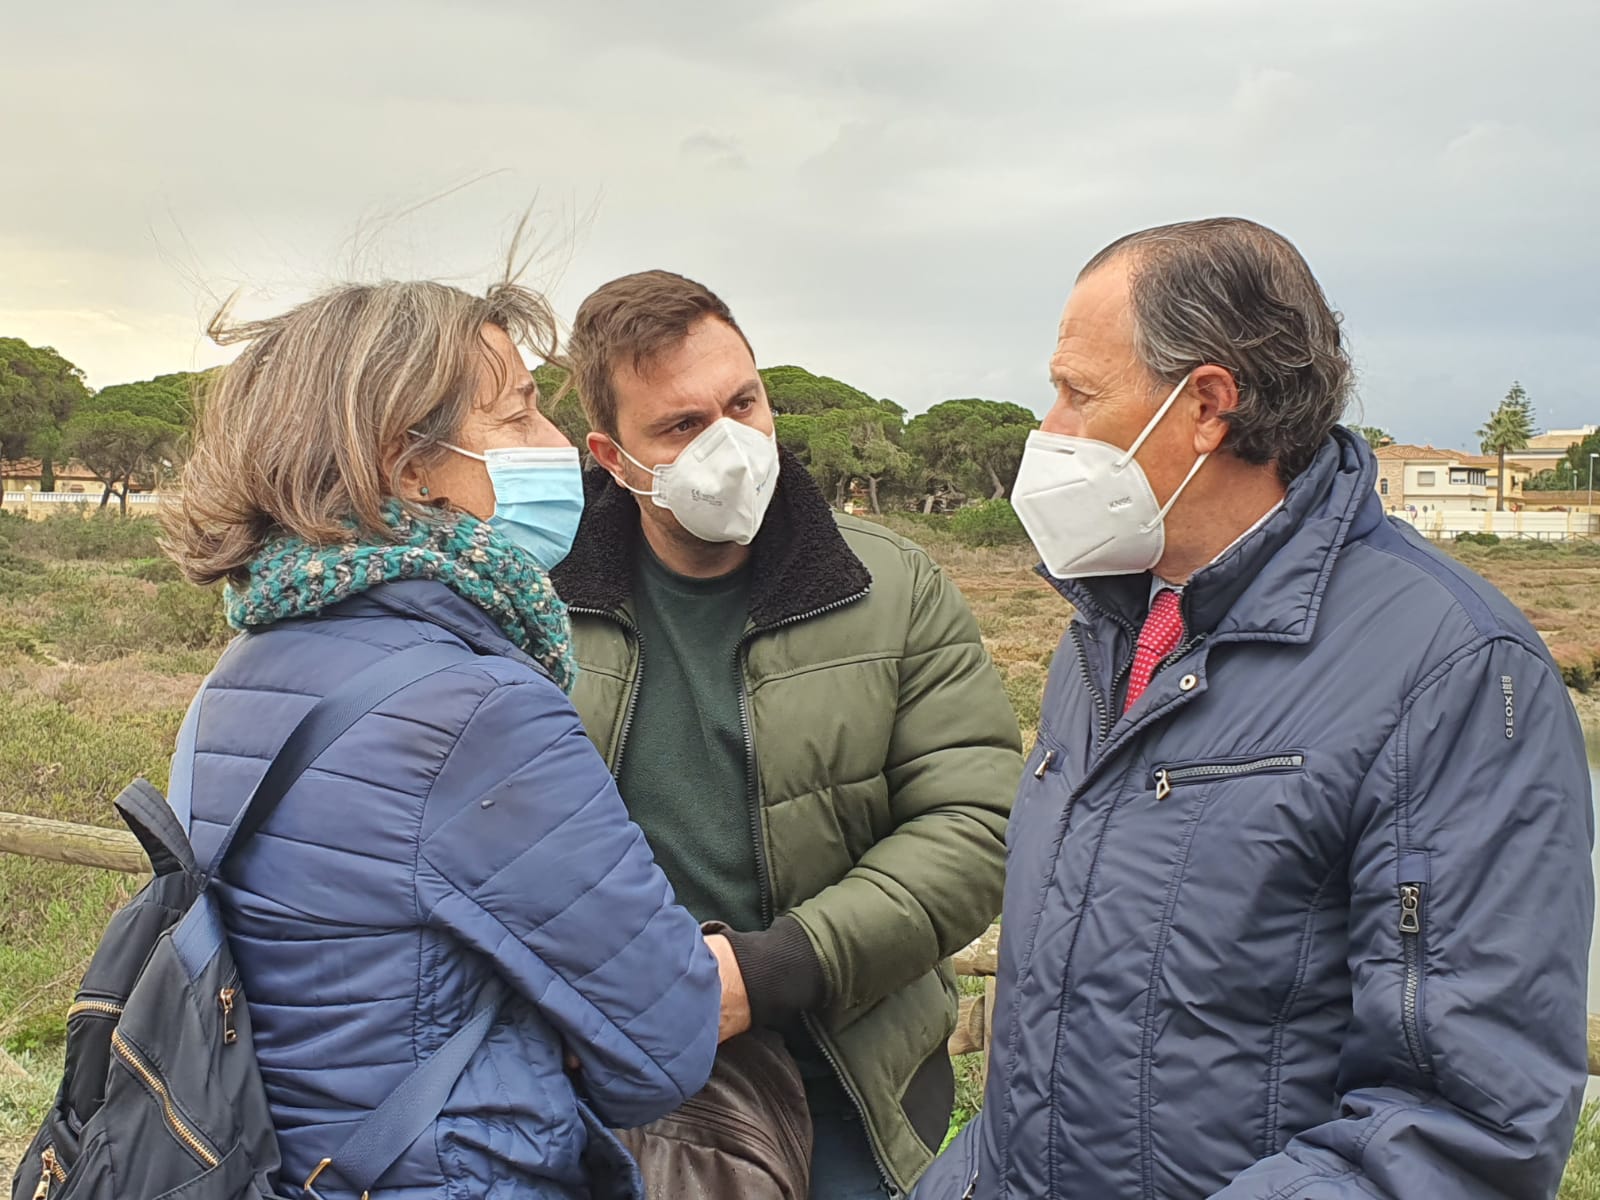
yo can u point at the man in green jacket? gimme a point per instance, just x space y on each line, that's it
801 717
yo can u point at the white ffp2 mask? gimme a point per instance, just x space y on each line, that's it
1088 506
720 484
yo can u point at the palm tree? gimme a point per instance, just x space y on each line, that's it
1508 429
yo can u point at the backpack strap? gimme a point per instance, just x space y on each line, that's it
164 841
328 719
388 1130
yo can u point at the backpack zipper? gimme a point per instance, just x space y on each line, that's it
180 1128
1411 913
50 1172
225 999
735 1122
99 1008
1167 778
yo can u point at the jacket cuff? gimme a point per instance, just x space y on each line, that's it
782 973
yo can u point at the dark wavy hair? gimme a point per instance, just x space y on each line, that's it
1230 292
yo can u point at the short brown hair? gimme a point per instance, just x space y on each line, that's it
295 434
635 320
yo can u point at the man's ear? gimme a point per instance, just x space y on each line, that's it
606 454
1216 393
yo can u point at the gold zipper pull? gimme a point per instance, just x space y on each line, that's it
1410 908
1163 784
1044 764
225 998
47 1173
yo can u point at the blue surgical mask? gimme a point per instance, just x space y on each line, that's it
538 497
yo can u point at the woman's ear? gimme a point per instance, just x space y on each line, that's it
412 484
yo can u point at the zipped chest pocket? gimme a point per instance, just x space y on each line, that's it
1176 775
1413 899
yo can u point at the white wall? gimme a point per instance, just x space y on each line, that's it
1550 526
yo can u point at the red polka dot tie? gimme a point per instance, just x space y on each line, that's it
1162 631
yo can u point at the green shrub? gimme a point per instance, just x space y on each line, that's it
1579 676
117 616
68 533
18 575
155 570
1513 547
988 523
1478 539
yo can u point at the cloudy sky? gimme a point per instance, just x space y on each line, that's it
895 192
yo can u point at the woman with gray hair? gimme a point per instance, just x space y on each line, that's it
373 473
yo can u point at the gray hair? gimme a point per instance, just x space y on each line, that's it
310 428
1230 292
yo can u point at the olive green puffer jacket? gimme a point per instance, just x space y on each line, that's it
886 758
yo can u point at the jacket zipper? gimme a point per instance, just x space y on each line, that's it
50 1172
633 688
815 1030
1167 778
1102 708
1411 912
752 785
180 1128
764 878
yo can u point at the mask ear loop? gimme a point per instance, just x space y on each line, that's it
1166 406
653 492
1127 457
1167 507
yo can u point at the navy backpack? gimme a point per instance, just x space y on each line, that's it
161 1095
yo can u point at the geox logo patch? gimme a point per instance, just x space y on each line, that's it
1509 693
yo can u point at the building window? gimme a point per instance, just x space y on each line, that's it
1383 487
1427 478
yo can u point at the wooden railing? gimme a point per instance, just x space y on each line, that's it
116 850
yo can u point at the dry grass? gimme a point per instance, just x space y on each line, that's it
101 649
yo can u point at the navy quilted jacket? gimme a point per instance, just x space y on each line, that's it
465 828
1311 922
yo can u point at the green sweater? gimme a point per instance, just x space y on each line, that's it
683 773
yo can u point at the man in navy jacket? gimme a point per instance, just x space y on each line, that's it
1299 890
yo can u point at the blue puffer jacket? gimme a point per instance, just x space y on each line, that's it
466 828
1312 920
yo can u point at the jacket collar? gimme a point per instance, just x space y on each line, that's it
431 601
1270 585
799 562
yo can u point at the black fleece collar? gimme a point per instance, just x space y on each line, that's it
799 561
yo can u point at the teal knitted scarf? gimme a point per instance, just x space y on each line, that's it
292 578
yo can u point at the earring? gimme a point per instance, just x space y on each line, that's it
424 491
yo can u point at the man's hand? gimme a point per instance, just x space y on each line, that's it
735 1000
